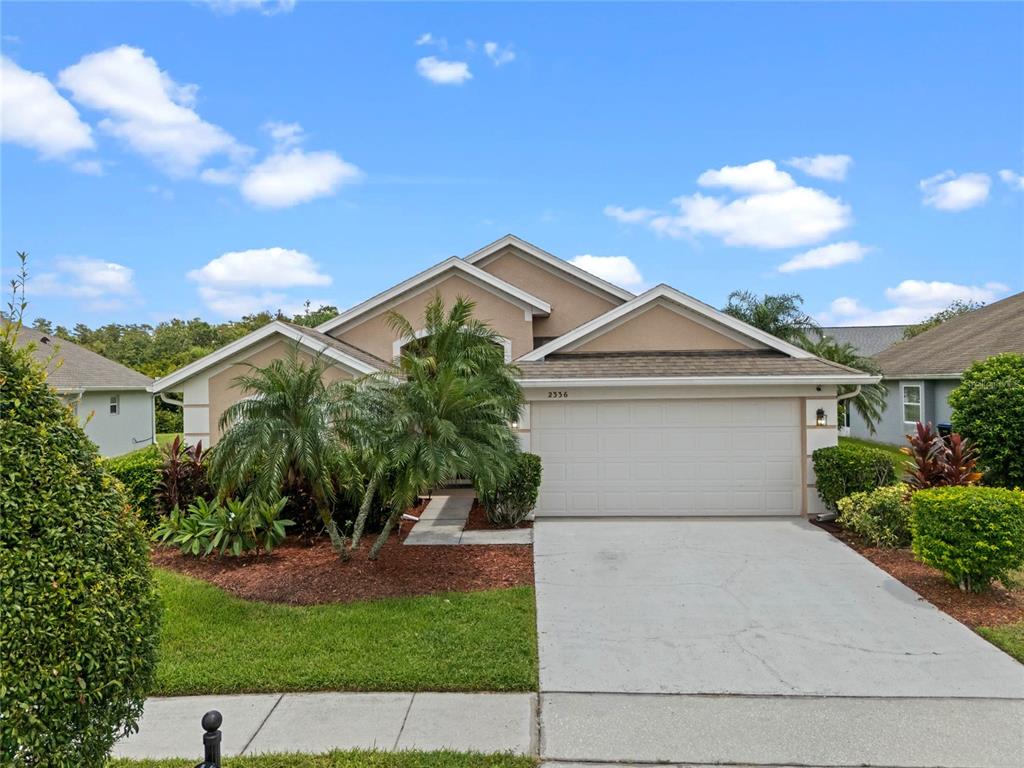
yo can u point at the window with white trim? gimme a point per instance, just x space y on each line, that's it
913 404
115 405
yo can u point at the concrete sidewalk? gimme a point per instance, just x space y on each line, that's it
321 722
444 517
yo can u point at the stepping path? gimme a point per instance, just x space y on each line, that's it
321 722
443 519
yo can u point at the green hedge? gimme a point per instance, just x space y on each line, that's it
840 470
511 503
139 471
972 534
881 516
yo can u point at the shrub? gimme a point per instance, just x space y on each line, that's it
139 471
937 461
846 468
79 615
233 527
970 533
881 516
514 500
183 476
988 408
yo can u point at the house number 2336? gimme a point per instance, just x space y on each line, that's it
558 394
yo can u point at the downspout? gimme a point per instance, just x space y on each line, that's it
180 404
828 517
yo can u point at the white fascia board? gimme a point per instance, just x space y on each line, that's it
240 345
521 297
104 388
922 376
675 381
671 294
549 258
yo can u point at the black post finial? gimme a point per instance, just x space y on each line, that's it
211 739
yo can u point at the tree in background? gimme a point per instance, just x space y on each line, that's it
870 401
955 309
781 315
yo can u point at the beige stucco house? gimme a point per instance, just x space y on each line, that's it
656 404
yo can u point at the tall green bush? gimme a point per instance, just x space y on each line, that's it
78 611
139 471
840 470
988 409
972 534
509 504
881 516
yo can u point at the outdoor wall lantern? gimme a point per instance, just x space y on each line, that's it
820 419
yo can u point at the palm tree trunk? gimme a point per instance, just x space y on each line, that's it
364 510
385 532
337 540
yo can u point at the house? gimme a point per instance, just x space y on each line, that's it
112 402
656 404
919 373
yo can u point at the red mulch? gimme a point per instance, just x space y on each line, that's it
477 520
998 606
306 575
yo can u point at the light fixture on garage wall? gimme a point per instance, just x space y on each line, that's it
820 419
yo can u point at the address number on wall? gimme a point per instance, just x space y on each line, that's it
558 394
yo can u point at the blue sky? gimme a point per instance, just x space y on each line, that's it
198 159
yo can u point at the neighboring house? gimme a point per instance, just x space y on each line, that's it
868 340
656 404
112 402
919 373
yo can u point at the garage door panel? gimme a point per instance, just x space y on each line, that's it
671 457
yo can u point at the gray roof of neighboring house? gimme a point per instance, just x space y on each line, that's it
950 348
614 365
868 340
72 367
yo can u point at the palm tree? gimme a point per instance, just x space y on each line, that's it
284 434
780 314
870 401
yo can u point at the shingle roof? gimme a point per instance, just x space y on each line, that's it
81 368
868 340
616 365
950 348
340 345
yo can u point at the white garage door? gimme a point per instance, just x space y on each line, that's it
668 457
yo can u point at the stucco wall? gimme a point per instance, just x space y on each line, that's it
130 429
658 329
942 411
571 305
373 334
891 428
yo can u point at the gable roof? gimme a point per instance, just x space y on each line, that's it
315 341
949 348
452 264
577 274
81 369
665 292
868 340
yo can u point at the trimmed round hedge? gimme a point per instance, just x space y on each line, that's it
79 616
972 534
139 471
840 470
881 516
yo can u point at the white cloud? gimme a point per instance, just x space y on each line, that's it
241 282
791 217
913 301
35 115
220 176
288 178
831 255
284 134
266 7
98 284
147 109
428 39
88 167
499 55
629 216
619 270
1014 179
949 192
830 167
762 176
443 72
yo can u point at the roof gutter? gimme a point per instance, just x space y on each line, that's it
671 381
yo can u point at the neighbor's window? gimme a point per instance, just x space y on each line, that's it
115 405
912 403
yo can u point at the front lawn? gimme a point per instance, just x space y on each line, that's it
350 759
214 643
898 459
1009 637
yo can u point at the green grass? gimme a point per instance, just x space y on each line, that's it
350 759
1009 637
215 643
898 459
162 438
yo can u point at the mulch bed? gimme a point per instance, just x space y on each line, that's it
998 606
298 574
477 520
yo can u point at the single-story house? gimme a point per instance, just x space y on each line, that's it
919 373
656 404
112 401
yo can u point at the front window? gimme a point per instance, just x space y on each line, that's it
115 405
912 405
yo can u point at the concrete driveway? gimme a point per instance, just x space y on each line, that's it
851 666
